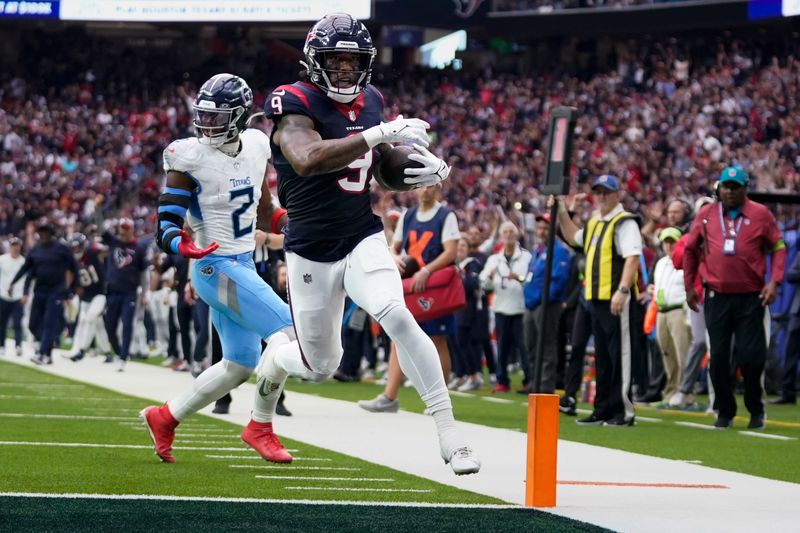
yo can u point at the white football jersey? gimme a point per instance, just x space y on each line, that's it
223 207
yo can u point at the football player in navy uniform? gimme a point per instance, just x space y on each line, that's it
126 272
327 136
90 258
216 183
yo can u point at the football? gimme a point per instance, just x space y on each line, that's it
391 171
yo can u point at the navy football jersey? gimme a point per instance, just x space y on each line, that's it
91 274
329 214
125 264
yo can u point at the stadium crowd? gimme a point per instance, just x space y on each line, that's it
663 116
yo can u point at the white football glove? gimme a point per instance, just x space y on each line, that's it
433 171
399 130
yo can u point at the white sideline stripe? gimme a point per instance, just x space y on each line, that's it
648 419
216 436
253 457
462 394
60 398
68 417
691 461
254 500
496 400
37 384
310 478
694 425
276 467
766 435
351 489
201 441
131 446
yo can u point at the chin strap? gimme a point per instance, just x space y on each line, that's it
342 98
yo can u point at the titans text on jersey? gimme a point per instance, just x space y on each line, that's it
223 205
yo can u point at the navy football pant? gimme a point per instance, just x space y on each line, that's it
47 318
121 306
11 311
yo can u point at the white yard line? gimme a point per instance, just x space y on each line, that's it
311 478
61 398
66 417
224 434
130 446
462 394
77 496
40 385
766 435
695 425
496 400
180 441
351 489
293 467
648 419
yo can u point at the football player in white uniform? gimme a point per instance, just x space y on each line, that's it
216 183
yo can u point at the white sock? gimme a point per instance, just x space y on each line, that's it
271 379
423 368
289 359
449 439
209 386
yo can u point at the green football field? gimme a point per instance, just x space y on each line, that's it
77 458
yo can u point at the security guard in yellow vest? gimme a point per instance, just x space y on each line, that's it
612 244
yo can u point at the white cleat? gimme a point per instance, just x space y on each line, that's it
463 461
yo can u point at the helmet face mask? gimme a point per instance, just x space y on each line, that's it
336 36
221 109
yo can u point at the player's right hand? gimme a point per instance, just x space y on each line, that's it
399 130
187 248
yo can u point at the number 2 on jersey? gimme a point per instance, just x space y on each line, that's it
238 231
356 182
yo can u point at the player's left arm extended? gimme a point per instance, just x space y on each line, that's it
172 206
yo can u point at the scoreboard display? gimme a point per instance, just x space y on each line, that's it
758 9
184 10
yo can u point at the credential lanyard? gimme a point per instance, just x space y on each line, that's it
725 234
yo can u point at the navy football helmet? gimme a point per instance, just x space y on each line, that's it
79 243
222 108
334 34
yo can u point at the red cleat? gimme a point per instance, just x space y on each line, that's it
260 437
161 426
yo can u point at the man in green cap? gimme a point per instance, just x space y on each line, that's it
672 329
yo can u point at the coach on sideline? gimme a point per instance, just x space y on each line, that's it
729 242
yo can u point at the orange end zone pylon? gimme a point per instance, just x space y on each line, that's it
540 469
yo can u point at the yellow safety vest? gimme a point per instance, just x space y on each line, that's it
603 263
